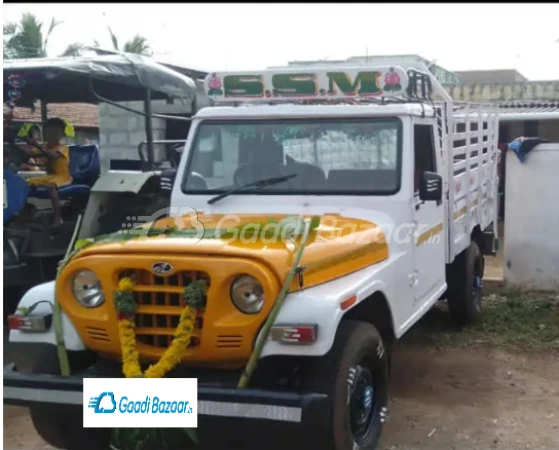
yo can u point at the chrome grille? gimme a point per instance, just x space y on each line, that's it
159 300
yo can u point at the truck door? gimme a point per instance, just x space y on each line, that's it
429 248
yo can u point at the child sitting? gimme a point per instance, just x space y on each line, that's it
32 133
57 165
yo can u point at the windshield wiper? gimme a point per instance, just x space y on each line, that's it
258 184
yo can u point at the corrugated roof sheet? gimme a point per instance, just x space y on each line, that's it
81 115
536 107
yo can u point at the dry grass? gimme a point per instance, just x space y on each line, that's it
513 320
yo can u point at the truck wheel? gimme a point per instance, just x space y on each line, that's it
61 426
465 286
354 375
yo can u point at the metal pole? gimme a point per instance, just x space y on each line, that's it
44 115
149 128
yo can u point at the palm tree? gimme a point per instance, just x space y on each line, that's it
137 45
73 49
24 39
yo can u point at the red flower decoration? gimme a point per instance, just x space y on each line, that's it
125 316
391 78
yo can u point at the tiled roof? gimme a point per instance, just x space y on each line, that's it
523 107
80 115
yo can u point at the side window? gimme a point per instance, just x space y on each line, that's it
424 153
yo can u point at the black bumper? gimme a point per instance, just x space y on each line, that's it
240 415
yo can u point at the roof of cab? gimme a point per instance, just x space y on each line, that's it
301 111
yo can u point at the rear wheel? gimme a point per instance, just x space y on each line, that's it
62 425
465 287
354 375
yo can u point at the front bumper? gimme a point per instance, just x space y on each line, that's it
240 415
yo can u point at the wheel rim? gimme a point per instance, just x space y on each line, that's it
362 403
477 284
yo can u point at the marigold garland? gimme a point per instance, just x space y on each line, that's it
125 305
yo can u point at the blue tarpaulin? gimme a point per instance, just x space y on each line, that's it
523 145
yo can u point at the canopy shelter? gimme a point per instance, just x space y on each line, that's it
122 77
110 79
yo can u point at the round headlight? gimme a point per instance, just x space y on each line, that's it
87 289
247 294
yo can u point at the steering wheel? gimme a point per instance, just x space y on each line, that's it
240 176
196 181
18 156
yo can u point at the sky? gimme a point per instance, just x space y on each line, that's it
241 36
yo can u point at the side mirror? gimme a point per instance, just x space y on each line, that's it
431 187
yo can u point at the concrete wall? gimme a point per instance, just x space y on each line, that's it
84 137
120 131
531 249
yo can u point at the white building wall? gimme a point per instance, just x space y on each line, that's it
531 249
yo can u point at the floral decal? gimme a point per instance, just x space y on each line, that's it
215 85
392 81
16 83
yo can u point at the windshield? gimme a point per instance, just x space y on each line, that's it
329 156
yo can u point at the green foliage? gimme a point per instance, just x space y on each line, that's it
194 294
114 39
25 39
137 438
73 50
124 302
83 243
152 438
527 321
138 44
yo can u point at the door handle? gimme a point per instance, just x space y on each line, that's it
418 205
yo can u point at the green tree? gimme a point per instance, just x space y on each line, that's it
25 39
138 44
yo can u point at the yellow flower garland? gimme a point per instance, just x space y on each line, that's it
125 305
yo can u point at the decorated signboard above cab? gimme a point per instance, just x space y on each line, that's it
307 84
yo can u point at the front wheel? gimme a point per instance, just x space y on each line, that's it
62 425
465 286
354 375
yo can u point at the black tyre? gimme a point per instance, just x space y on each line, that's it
61 426
465 286
354 374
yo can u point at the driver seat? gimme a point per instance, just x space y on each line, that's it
85 168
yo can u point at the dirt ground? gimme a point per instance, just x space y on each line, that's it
442 398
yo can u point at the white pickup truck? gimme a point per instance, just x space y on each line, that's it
404 182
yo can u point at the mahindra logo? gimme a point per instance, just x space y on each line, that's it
161 268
